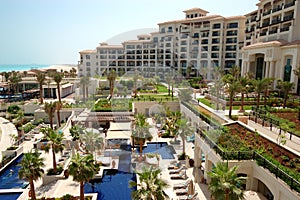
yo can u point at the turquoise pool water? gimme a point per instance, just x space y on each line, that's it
9 178
10 196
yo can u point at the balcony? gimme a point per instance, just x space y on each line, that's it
288 17
285 29
267 12
204 42
263 33
275 21
264 24
205 34
248 37
214 55
215 41
289 4
230 41
231 48
216 34
278 8
230 55
253 19
272 32
215 48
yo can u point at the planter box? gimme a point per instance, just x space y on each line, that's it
8 153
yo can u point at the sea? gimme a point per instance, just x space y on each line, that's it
8 68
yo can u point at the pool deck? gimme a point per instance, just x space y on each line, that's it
68 186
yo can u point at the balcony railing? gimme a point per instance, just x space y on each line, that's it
288 17
252 155
276 9
263 33
267 12
289 4
285 29
272 32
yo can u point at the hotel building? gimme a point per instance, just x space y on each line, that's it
265 42
189 46
272 40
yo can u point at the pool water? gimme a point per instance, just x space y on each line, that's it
166 151
10 196
114 183
9 178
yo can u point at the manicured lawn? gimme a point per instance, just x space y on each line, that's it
208 102
161 89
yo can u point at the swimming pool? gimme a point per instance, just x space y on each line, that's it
9 178
114 183
10 196
166 151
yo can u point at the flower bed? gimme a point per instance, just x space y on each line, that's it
281 157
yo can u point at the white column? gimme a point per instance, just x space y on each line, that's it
272 66
267 67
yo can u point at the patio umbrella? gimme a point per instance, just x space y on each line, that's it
191 188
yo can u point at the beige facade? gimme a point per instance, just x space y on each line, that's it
191 46
271 46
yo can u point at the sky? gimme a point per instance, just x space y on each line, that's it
54 31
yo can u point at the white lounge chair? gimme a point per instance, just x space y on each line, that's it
188 197
181 185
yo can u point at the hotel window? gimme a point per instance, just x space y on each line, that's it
155 39
129 46
96 56
233 25
102 51
216 26
87 57
97 63
88 64
170 29
88 69
103 63
162 30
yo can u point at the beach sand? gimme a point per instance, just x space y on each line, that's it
62 67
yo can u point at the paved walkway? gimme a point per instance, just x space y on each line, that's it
7 128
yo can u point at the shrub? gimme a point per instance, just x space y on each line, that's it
59 170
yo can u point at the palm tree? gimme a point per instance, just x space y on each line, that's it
41 77
150 186
111 77
225 184
58 108
48 84
93 141
76 131
55 143
31 169
245 84
172 123
85 81
233 87
141 132
57 77
169 79
83 169
185 129
218 73
260 86
14 79
50 110
286 87
135 78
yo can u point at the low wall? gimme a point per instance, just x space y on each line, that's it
8 153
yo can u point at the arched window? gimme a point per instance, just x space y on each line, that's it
287 70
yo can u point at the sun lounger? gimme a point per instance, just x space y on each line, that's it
174 165
181 175
181 185
188 197
176 171
182 191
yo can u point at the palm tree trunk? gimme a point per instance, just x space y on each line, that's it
54 159
141 148
81 191
257 101
51 122
58 117
41 95
183 145
87 92
32 191
58 92
242 103
83 92
230 106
